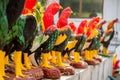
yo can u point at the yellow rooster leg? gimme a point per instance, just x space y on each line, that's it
105 51
91 54
59 59
96 53
66 58
86 55
2 65
53 57
7 61
76 57
44 62
27 61
14 58
18 64
1 78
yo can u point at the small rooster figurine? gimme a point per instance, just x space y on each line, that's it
62 40
108 35
80 39
64 35
10 10
71 43
17 38
48 19
92 40
21 40
51 33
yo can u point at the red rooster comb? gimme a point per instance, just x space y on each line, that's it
94 21
97 19
103 22
29 5
115 20
53 8
73 26
93 25
82 26
48 17
63 20
66 12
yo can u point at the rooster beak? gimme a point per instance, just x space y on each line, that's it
71 12
60 7
116 20
100 18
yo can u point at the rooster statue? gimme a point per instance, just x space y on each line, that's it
108 35
80 39
21 41
62 40
20 36
10 12
70 45
51 33
96 48
91 41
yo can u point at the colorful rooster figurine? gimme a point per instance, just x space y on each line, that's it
10 10
71 43
62 40
51 33
108 35
80 40
92 40
100 33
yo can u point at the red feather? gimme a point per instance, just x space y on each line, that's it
53 8
81 27
95 19
88 33
116 66
48 18
63 20
73 26
29 5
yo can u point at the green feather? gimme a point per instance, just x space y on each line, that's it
3 23
17 31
